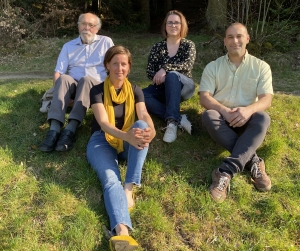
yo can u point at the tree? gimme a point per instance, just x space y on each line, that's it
4 4
145 11
216 14
167 5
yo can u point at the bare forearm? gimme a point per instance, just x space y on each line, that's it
114 131
55 77
263 103
149 121
209 103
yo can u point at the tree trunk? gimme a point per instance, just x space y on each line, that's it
95 7
145 10
216 14
167 5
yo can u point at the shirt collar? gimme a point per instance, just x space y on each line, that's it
244 58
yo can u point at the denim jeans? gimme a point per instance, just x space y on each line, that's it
164 100
241 142
104 160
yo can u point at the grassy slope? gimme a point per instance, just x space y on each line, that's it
54 201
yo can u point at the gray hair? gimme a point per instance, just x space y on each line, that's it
99 23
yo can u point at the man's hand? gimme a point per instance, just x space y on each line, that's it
239 116
159 77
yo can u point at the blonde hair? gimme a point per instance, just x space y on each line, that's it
184 26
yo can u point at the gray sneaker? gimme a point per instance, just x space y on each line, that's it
259 177
219 186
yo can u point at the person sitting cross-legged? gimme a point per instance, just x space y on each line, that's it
236 89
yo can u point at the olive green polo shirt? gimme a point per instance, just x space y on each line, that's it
237 86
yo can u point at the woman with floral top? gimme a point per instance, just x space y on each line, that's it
169 67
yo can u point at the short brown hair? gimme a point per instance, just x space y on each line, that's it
233 24
184 26
115 50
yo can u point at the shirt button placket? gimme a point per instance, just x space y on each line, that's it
87 52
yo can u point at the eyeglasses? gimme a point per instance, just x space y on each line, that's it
176 23
88 24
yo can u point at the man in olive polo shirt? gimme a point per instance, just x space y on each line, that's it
236 89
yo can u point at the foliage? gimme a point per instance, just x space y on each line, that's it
13 26
129 28
58 18
272 25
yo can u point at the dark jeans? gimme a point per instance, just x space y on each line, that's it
164 100
241 142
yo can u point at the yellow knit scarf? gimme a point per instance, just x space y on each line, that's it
125 95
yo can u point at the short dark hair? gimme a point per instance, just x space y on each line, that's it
115 50
233 24
184 26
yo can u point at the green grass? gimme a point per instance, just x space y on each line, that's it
54 201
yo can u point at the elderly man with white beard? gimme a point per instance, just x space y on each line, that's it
79 67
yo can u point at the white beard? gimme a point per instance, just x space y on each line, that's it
87 37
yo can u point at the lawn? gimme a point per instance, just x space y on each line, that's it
54 201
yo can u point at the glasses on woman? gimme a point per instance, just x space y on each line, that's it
84 24
176 23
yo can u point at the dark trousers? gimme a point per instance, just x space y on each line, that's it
164 100
241 142
66 88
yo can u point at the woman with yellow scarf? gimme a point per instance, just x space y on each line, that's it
116 135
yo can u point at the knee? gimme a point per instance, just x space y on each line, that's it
64 79
86 81
172 77
209 116
262 118
141 124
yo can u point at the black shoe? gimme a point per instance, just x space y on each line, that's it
48 145
66 141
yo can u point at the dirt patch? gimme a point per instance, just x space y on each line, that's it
25 75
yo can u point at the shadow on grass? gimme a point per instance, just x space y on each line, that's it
179 172
23 127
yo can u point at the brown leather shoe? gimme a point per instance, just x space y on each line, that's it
259 177
219 186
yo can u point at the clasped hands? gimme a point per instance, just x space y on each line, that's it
237 117
140 138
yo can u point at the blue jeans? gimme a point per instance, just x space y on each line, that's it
104 160
164 100
241 142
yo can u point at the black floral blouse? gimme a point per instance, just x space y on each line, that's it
182 62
